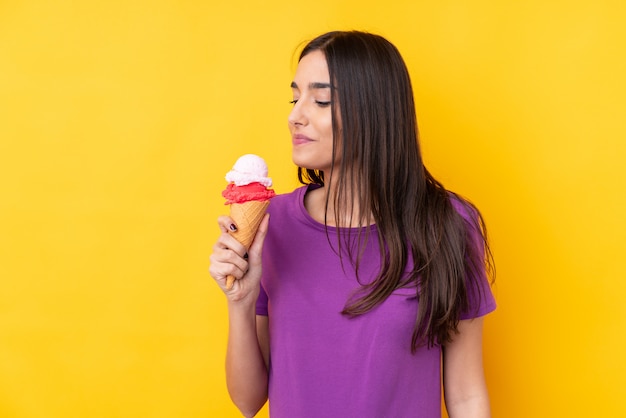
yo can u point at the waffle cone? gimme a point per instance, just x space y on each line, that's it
247 217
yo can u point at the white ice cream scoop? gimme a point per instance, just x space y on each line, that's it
249 168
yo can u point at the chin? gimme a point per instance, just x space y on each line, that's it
311 162
301 162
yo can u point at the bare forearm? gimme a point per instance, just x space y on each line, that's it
475 407
465 389
246 372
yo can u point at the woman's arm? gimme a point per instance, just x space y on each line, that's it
247 354
465 390
246 364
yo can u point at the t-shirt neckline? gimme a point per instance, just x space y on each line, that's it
308 219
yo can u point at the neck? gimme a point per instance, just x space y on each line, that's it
345 217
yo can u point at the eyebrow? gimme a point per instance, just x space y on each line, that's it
315 85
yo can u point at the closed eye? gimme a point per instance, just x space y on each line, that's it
318 102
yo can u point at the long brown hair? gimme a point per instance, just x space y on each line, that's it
413 212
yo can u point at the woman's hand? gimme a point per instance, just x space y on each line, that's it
229 257
248 341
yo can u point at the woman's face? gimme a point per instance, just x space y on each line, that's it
310 121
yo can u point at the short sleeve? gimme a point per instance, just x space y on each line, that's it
261 303
480 297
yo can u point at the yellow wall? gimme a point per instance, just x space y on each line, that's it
118 120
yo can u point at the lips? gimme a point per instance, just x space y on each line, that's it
298 139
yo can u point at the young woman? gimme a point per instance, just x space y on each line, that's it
370 285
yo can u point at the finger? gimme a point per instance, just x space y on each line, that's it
257 245
220 271
229 261
227 241
226 223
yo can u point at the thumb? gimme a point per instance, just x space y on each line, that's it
257 245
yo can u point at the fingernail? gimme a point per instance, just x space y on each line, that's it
233 227
245 256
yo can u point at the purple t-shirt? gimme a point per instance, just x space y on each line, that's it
322 363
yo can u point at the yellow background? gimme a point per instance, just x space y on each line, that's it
118 120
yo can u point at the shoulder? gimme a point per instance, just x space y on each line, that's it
286 198
464 207
287 203
471 222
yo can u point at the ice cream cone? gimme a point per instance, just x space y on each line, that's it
247 217
248 193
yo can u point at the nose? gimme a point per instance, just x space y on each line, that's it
297 116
